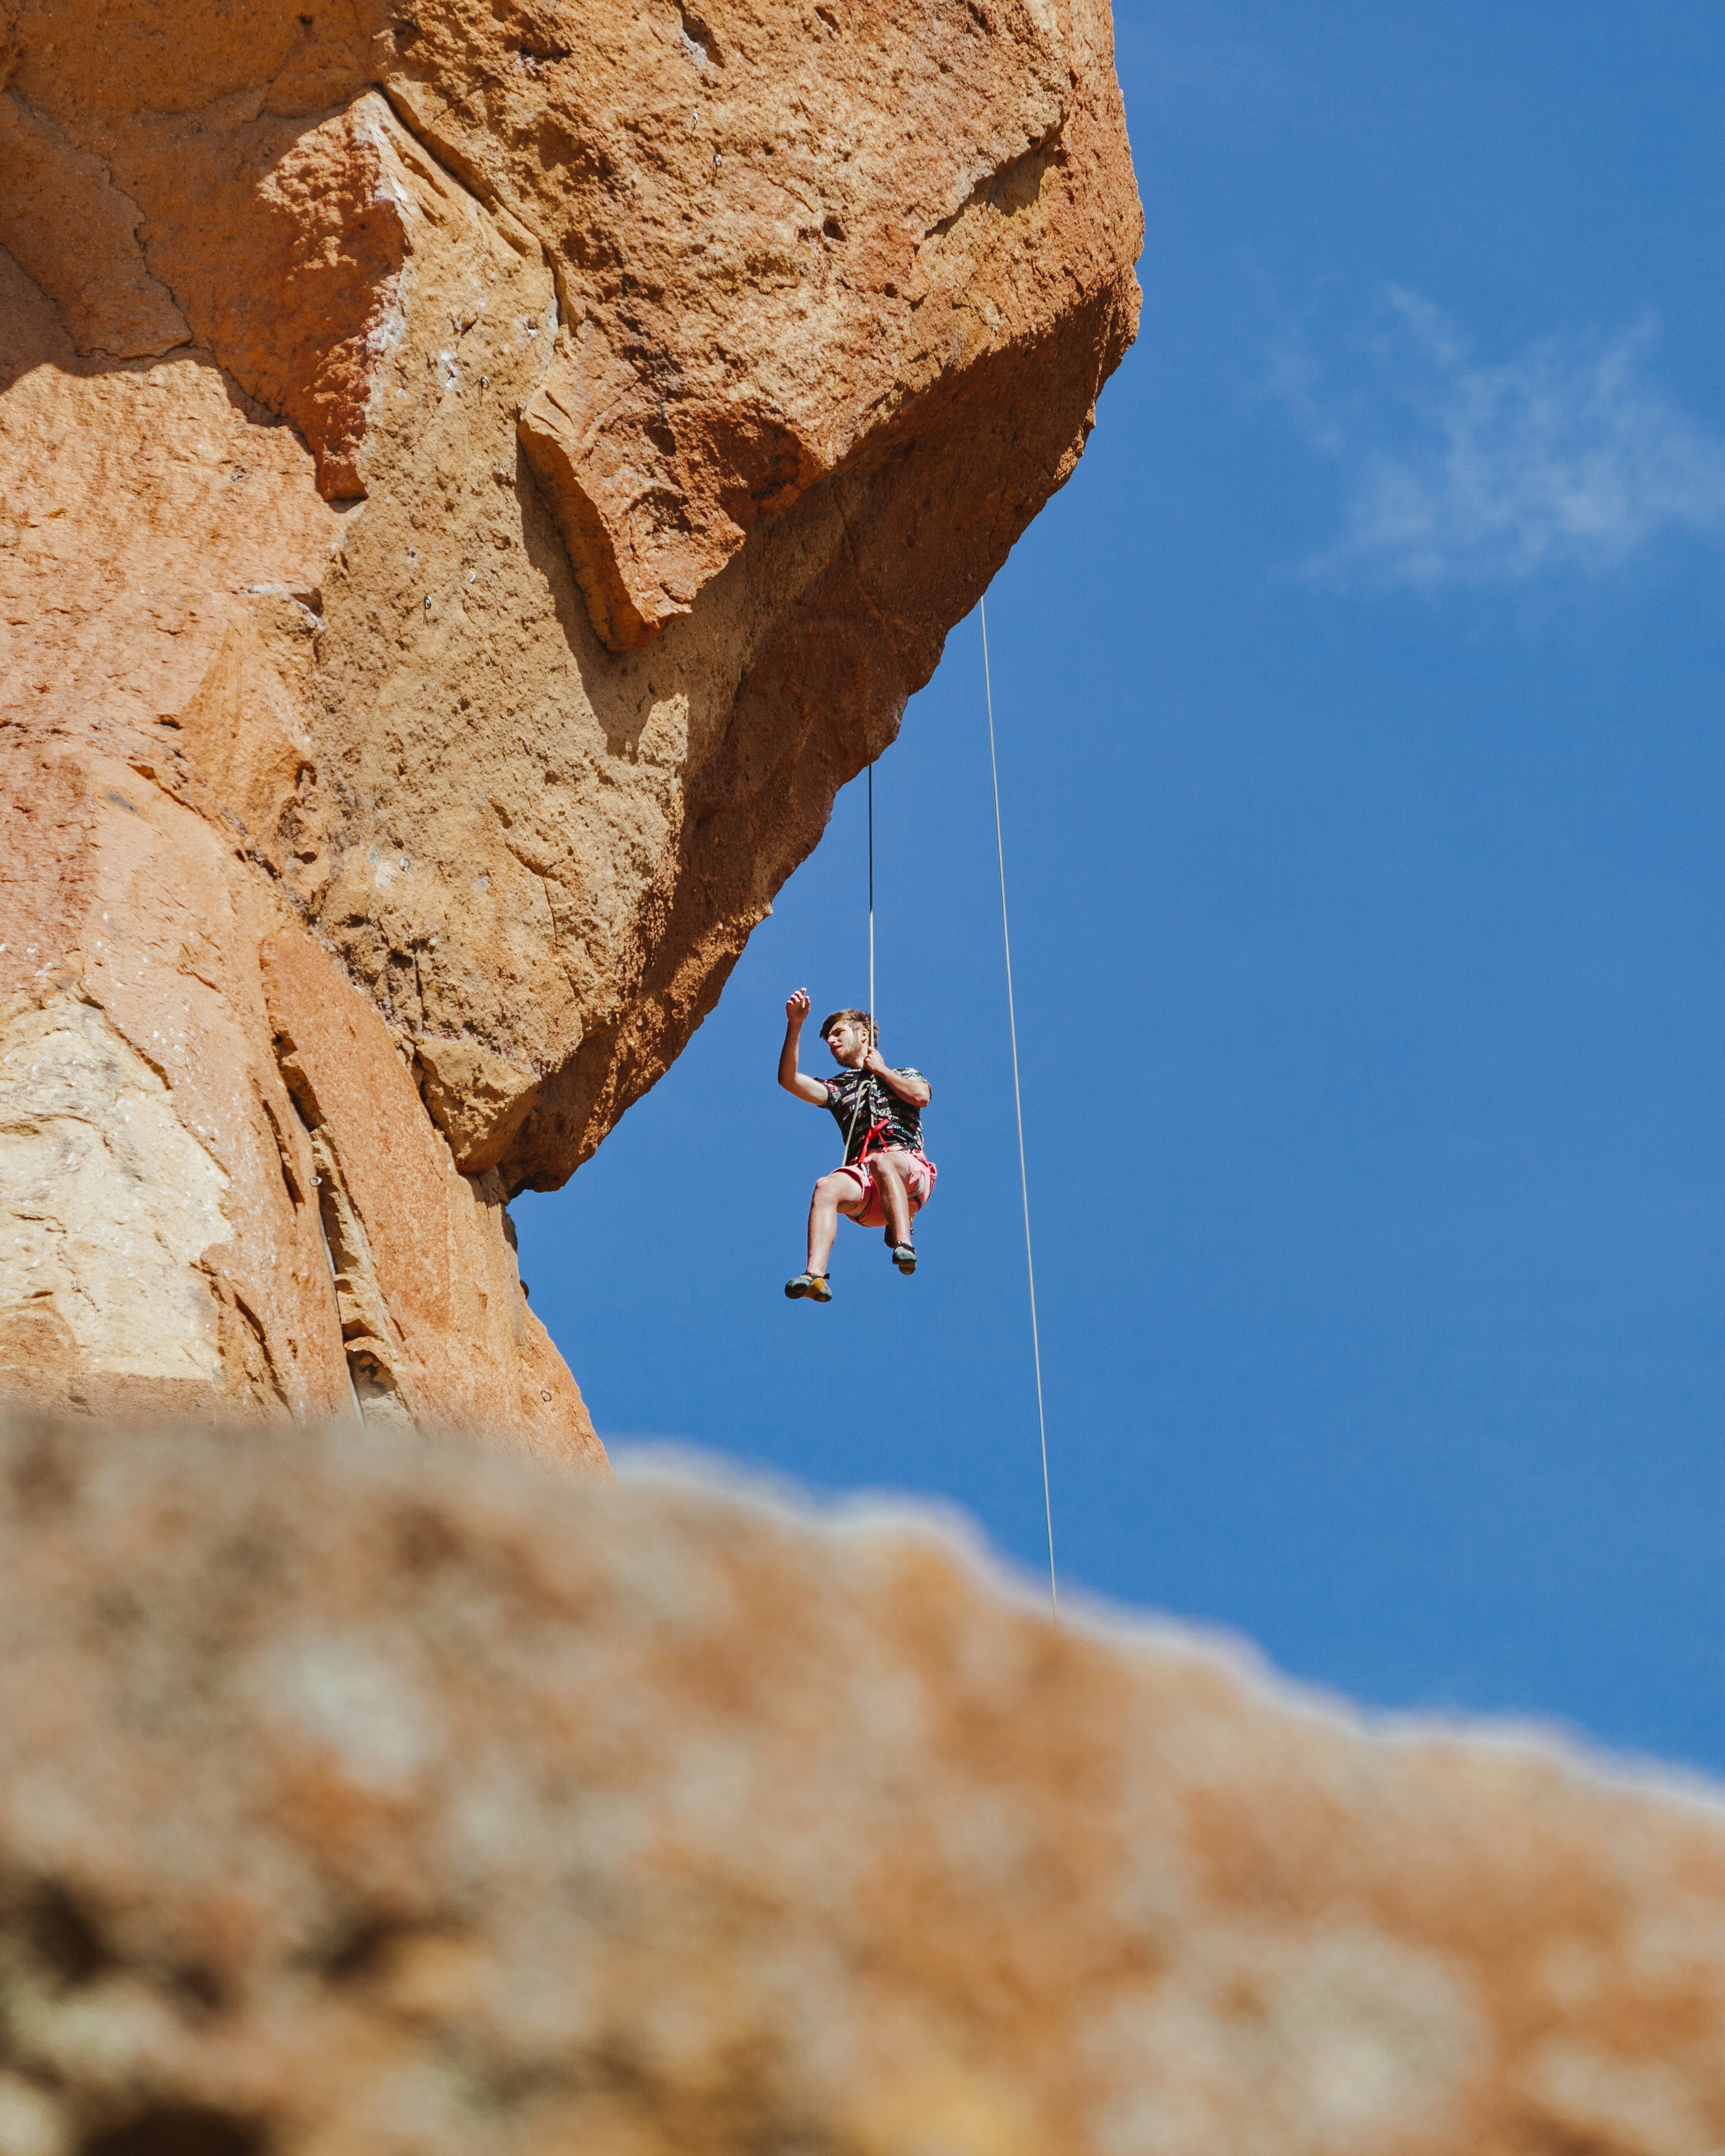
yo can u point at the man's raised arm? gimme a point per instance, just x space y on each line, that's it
793 1080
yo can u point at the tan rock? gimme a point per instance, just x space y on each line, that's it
426 1277
473 484
105 295
377 1796
219 1191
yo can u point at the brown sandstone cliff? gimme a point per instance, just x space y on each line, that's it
365 1798
474 478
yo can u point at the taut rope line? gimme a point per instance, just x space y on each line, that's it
1018 1098
874 1022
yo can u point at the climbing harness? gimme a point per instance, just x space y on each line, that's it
1017 1102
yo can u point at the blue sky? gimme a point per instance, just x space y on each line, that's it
1363 784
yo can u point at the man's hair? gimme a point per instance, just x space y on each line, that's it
861 1017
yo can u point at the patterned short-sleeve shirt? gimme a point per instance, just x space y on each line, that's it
859 1101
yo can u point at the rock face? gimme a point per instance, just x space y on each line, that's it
382 1795
474 480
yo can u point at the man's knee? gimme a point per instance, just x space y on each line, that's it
885 1167
831 1188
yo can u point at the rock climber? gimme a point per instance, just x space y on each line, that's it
886 1177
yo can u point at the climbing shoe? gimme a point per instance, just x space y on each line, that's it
904 1257
812 1284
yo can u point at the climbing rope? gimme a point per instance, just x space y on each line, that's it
865 1091
1018 1098
874 1022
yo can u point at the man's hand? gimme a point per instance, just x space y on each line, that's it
793 1080
915 1091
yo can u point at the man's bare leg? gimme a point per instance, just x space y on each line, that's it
895 1198
834 1194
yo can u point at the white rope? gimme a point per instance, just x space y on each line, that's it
1018 1103
874 1022
865 1091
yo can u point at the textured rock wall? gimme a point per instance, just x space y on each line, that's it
374 1797
474 480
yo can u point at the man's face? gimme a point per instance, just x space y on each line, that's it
848 1041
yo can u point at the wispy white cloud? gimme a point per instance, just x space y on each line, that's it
1564 457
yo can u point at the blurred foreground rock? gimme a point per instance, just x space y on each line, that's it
364 1795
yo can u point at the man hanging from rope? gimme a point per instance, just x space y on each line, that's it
886 1177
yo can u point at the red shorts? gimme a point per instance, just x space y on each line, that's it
919 1174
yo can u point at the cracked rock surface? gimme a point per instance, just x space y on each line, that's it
474 479
390 1796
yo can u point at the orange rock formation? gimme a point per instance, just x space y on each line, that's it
474 479
377 1797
